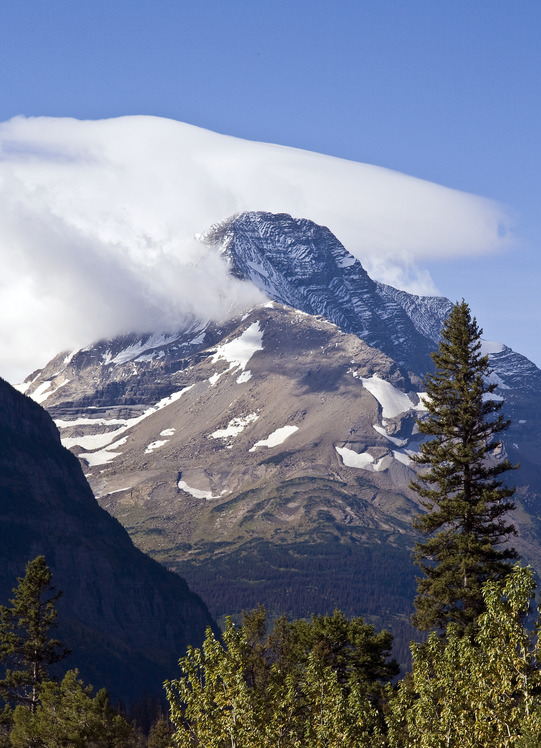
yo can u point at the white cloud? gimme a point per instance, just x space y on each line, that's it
97 220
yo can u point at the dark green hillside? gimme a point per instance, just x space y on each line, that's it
126 617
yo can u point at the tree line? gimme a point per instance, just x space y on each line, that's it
331 681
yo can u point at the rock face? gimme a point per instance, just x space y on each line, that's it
297 262
267 458
126 618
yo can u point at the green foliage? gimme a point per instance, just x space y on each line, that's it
211 704
48 714
161 734
475 691
69 715
467 502
305 684
349 646
26 651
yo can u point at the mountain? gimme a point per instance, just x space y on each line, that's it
297 262
126 618
267 458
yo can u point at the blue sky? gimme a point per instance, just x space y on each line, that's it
448 92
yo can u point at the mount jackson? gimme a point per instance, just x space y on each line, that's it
266 458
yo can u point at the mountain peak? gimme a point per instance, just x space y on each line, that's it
299 263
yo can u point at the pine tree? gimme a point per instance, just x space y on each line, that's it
26 651
69 714
467 502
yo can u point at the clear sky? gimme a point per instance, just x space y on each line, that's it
448 92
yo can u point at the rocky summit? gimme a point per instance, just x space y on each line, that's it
267 458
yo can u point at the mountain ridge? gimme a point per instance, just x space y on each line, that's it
269 452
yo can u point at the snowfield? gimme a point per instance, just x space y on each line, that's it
235 427
196 492
363 460
238 353
277 437
102 441
392 401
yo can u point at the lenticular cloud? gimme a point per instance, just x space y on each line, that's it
98 222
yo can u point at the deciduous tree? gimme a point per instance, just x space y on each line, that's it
304 685
472 691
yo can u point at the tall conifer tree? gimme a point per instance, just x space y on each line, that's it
466 523
26 651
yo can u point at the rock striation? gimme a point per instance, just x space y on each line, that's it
297 262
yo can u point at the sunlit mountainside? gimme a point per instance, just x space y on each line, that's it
267 457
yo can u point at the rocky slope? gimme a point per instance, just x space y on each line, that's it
126 618
266 458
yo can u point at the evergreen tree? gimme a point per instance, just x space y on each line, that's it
26 651
467 503
161 734
70 715
349 646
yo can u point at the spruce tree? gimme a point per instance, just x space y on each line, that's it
26 651
466 524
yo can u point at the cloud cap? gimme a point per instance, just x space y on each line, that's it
98 219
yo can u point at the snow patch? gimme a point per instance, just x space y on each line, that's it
155 445
392 401
22 387
393 439
402 457
244 377
423 400
234 427
493 378
196 492
41 392
277 437
490 346
136 350
167 432
152 356
238 352
92 441
492 396
61 424
363 460
95 441
104 456
345 262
